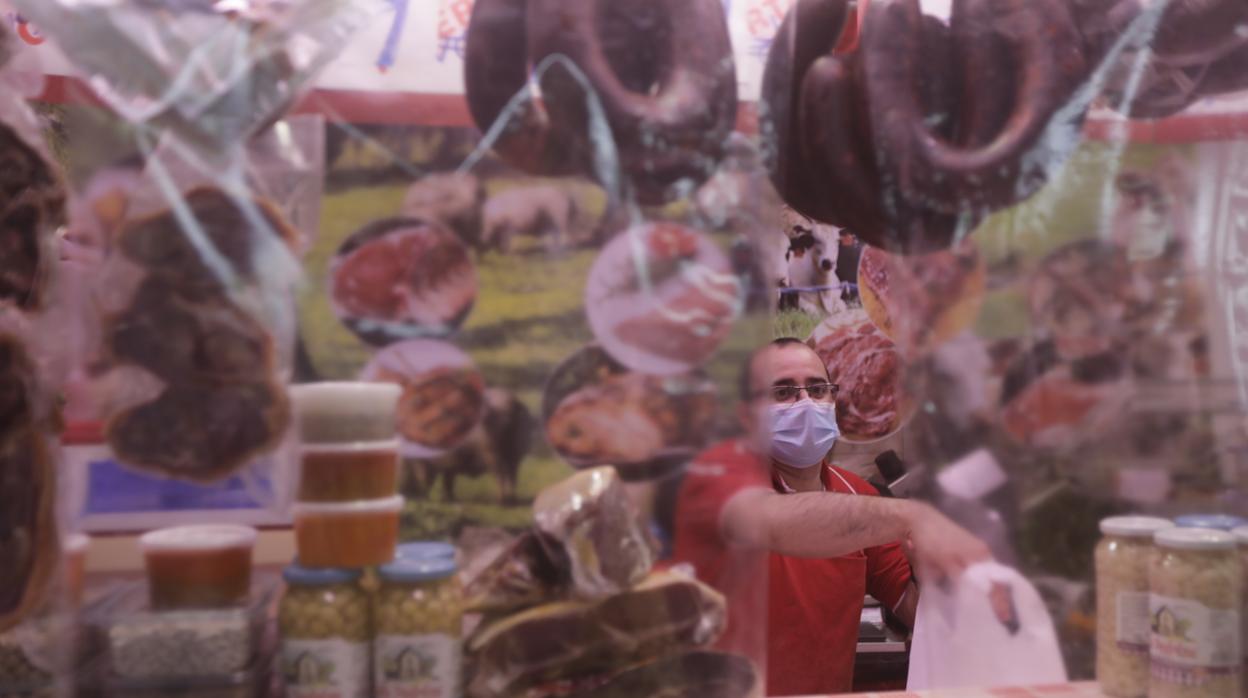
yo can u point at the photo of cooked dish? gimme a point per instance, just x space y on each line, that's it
1080 294
443 397
597 412
921 301
661 297
402 278
872 403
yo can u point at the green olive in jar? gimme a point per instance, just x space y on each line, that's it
326 625
419 611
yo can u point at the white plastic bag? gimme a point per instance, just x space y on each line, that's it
988 629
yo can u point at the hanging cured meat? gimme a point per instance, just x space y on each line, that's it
925 127
661 72
32 206
28 536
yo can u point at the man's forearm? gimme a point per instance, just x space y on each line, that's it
823 525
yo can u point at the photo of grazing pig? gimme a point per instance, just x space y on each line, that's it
497 446
452 199
546 212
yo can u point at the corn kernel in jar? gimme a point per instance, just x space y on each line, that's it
1122 624
1195 597
419 611
326 627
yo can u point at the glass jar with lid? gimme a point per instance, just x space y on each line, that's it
1122 622
1196 593
1241 538
1220 522
326 627
419 611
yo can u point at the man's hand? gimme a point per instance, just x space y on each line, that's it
942 549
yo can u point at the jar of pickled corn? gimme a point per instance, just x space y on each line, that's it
1122 620
419 611
1241 538
326 626
1196 593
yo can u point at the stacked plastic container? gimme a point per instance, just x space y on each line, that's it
196 626
347 509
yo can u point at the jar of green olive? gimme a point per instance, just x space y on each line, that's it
326 625
419 611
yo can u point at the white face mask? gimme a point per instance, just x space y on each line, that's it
802 432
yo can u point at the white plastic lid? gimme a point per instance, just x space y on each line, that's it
1194 539
343 396
353 447
346 412
1134 526
1241 534
202 537
359 506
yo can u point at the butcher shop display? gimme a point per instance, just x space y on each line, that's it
448 308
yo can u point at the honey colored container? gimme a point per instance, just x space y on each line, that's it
356 534
349 472
198 566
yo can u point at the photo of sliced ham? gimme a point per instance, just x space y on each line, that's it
662 297
402 278
868 368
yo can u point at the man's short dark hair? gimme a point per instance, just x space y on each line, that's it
747 369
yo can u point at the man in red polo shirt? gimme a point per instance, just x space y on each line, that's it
771 524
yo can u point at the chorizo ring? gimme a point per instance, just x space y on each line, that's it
947 175
666 80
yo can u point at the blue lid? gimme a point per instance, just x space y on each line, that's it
417 571
318 577
1221 522
425 550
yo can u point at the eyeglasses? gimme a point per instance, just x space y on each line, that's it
816 391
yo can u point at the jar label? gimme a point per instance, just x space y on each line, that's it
325 669
1133 624
416 666
1190 642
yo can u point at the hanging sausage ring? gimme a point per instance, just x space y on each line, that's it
924 128
662 70
1195 49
